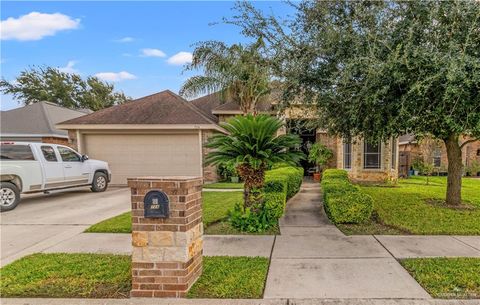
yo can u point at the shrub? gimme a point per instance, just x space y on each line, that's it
343 201
280 184
292 175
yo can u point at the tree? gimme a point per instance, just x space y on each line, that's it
239 72
382 69
252 145
64 89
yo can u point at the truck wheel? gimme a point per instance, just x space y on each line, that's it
99 183
9 196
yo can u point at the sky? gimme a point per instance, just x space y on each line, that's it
141 47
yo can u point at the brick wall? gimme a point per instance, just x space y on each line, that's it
331 143
167 252
54 140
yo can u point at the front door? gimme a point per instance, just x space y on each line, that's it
75 171
308 136
52 167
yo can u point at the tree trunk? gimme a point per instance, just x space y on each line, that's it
455 169
253 179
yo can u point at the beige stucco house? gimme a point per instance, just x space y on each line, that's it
163 134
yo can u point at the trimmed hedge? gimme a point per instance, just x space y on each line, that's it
293 177
343 201
281 183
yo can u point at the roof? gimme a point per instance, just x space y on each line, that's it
406 139
161 108
214 104
37 119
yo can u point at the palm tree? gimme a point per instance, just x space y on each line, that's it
238 72
252 145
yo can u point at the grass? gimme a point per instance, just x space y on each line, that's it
224 185
118 224
67 276
224 228
61 275
446 277
406 208
215 210
231 278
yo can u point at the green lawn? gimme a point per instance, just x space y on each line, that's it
446 277
407 208
67 276
215 211
224 185
231 278
61 275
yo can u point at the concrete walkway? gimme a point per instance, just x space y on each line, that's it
313 259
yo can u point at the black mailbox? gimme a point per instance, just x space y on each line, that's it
156 205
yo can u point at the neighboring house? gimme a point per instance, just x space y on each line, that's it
410 149
157 135
36 123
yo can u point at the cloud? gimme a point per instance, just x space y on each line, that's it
180 58
69 67
114 76
153 53
35 26
125 39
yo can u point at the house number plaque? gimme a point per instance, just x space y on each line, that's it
156 205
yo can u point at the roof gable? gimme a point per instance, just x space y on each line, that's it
164 107
37 119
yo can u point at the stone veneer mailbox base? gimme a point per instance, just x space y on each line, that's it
167 252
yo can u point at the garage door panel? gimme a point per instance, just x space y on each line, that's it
146 155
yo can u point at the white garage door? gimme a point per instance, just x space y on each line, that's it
146 155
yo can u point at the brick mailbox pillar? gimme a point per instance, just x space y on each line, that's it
167 234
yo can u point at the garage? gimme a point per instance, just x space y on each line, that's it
134 155
158 135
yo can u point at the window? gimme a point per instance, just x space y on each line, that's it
437 158
478 152
68 155
394 153
16 152
49 153
347 155
371 155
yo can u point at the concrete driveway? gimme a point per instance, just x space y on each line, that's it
41 221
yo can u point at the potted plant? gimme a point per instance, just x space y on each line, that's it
319 154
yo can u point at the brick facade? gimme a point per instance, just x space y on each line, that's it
54 140
167 252
470 153
209 171
331 143
388 171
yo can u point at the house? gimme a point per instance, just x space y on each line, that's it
157 135
36 123
363 161
410 149
163 134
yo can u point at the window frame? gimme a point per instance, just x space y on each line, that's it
54 153
394 154
345 145
365 153
74 152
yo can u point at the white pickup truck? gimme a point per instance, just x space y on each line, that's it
41 167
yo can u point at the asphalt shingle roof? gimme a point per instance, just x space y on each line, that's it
37 119
164 107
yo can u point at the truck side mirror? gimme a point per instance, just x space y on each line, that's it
84 158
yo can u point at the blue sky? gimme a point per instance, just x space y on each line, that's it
135 38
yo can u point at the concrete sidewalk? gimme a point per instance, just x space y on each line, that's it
142 301
213 245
